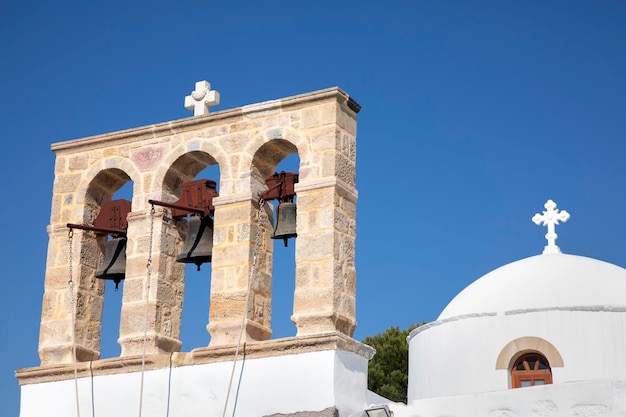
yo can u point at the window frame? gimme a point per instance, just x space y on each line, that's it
532 375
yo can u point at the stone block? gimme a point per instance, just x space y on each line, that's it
217 279
313 300
311 117
345 169
133 289
308 222
54 332
219 235
323 138
316 247
66 183
227 305
133 318
57 277
57 201
52 308
243 232
303 275
236 142
328 218
233 214
235 254
60 165
77 163
347 121
329 113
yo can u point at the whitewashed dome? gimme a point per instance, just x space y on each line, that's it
545 281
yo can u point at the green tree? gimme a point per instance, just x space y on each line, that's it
388 370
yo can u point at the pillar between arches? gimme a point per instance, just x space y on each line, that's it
234 243
55 337
164 299
325 269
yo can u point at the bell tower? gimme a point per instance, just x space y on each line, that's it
162 161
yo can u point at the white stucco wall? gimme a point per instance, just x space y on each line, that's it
458 356
285 384
589 399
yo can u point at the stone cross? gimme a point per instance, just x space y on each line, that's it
201 98
551 217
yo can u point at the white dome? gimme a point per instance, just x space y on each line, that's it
540 282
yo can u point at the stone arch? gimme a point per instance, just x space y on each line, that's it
105 178
273 145
182 164
267 157
516 348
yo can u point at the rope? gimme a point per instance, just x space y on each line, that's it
257 243
145 331
93 396
70 284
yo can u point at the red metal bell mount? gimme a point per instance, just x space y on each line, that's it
112 220
197 199
280 186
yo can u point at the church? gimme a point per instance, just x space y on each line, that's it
543 336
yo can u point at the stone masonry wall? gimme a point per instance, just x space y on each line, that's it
247 144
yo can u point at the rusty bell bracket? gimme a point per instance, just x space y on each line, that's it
197 199
280 186
112 219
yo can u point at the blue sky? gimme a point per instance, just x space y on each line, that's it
474 114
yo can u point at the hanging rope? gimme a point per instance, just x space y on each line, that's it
145 331
70 285
93 396
257 243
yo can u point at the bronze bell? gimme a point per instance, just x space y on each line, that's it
198 247
285 221
114 265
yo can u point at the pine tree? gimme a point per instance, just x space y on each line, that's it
388 370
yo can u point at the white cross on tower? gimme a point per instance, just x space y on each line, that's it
201 98
551 217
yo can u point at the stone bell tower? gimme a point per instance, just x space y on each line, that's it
151 373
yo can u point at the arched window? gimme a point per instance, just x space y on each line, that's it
529 370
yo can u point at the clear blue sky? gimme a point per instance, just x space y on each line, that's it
474 114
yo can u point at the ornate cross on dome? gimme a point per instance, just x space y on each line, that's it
551 217
201 98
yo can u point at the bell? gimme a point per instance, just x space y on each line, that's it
285 222
198 247
114 265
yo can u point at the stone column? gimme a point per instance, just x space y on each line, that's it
325 270
165 296
236 222
55 336
326 198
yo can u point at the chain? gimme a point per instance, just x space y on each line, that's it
145 330
257 244
70 285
